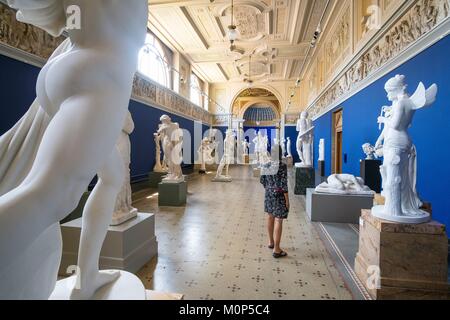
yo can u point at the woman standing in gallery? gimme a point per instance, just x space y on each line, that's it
276 202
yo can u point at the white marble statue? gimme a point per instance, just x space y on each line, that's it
160 167
289 147
124 210
322 150
83 94
205 153
227 158
245 147
283 147
398 171
305 130
172 143
344 184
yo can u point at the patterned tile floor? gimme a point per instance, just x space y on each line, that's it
216 247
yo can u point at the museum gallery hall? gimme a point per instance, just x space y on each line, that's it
224 150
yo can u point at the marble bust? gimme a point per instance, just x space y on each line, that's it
344 184
398 171
261 149
172 143
85 93
305 130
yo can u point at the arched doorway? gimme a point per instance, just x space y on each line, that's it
254 110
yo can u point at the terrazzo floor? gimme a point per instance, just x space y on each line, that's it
216 246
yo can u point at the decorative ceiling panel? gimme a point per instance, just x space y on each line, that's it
275 32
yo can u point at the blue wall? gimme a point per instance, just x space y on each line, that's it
430 130
18 82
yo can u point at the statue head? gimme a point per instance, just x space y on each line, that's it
165 119
304 115
395 87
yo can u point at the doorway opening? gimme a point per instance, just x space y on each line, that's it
337 141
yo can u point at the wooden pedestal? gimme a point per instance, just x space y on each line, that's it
411 259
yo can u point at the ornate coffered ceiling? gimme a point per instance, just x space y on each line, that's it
276 33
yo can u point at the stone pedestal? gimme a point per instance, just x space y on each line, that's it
246 159
155 178
411 259
128 246
257 172
172 194
321 168
304 178
370 172
336 208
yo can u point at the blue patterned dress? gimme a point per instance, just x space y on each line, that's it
276 185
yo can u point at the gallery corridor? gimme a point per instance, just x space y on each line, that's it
216 247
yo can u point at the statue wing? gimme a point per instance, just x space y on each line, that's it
422 97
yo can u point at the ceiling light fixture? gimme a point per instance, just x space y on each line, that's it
232 32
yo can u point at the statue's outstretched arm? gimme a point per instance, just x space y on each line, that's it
48 15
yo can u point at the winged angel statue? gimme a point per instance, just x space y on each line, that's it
399 169
49 157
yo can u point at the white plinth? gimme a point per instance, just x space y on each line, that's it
378 212
123 217
127 247
222 179
126 287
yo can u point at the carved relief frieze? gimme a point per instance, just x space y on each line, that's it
420 19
